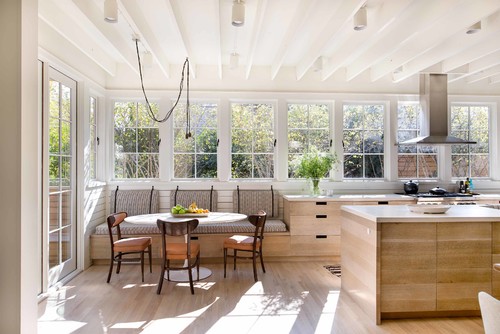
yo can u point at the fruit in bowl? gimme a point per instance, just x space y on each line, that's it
193 208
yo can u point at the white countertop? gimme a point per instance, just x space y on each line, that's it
350 197
401 214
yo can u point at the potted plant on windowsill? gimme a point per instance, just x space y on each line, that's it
314 166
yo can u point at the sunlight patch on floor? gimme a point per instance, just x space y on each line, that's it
58 326
124 325
326 319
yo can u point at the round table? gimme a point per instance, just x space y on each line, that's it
213 217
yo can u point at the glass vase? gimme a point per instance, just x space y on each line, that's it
315 187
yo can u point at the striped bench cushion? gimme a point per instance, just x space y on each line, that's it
272 225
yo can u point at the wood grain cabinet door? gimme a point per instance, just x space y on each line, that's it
464 264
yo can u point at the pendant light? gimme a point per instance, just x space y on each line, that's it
238 16
110 11
360 21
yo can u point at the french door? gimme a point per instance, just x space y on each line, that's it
59 226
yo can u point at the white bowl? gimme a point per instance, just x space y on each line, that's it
429 208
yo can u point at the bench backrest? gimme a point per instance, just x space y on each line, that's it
206 199
135 202
250 202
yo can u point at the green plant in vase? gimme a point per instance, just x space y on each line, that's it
315 165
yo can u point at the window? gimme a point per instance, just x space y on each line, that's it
414 161
252 138
308 128
93 140
363 141
136 141
470 123
196 157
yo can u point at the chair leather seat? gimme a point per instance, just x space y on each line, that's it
177 251
243 242
132 244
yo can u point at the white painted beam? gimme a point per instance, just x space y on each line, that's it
256 33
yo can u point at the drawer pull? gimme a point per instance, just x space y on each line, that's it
321 236
320 203
383 202
321 216
194 238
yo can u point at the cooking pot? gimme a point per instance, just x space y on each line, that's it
411 187
438 191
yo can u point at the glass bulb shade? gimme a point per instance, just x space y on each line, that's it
360 21
238 17
110 11
233 60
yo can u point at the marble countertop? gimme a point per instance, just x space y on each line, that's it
350 197
402 214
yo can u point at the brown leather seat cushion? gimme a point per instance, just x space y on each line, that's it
243 242
177 251
132 244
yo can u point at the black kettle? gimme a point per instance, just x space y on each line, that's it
411 187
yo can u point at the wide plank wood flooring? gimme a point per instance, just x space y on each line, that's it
291 297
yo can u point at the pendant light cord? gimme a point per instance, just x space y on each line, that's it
151 114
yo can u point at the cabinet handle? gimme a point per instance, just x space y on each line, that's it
321 216
194 238
321 236
383 203
320 203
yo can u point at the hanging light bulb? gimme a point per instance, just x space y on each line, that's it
233 60
110 11
360 21
238 17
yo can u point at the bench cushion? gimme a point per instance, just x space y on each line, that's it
135 202
206 199
272 225
249 202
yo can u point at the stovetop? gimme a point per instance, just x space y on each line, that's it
429 195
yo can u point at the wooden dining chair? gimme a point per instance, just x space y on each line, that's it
248 244
188 252
122 247
490 312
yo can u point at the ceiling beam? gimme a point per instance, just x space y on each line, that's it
300 18
492 71
359 42
217 29
139 24
479 65
449 29
256 32
173 14
342 15
56 18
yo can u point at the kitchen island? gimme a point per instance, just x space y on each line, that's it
397 263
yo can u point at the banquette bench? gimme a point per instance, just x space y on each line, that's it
211 235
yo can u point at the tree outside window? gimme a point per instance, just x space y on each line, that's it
470 123
252 138
363 141
196 157
136 140
414 161
308 129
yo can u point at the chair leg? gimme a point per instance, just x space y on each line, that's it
190 272
111 266
118 267
162 277
150 260
225 260
254 262
262 261
198 266
168 270
234 259
142 266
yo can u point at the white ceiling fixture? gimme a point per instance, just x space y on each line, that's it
360 21
238 16
475 28
110 11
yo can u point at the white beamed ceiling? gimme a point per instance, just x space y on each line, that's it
280 43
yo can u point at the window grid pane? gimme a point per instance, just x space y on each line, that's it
470 123
363 141
308 129
136 141
252 141
93 138
196 157
414 161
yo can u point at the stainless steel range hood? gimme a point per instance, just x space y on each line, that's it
434 102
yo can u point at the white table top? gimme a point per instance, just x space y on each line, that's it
213 217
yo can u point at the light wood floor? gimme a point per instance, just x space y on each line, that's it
292 297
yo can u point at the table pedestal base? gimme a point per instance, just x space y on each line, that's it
183 276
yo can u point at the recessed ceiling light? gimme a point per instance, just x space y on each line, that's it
110 11
360 21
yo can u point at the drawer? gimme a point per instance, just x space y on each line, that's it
318 224
312 208
304 245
